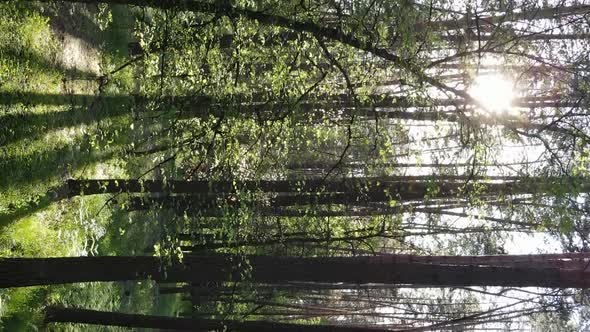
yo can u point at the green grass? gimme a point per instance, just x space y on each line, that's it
48 135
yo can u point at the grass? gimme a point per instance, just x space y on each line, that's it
48 135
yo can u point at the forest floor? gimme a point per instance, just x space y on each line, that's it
54 109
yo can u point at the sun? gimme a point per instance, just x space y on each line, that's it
494 92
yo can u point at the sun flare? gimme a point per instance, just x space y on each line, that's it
495 93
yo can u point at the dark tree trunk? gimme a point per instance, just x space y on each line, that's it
304 191
83 316
276 241
350 192
112 186
174 289
20 272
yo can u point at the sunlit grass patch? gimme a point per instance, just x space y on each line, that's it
33 236
27 50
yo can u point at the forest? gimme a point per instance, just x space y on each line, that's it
295 165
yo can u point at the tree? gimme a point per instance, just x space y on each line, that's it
391 269
84 316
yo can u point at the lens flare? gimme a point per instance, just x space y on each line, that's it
495 93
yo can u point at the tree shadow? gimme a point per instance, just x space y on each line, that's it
34 98
83 109
72 19
76 20
40 168
29 171
35 167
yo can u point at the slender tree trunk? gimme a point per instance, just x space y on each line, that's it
277 241
526 37
402 185
527 15
326 165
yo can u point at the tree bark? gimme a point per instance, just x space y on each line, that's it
93 317
20 272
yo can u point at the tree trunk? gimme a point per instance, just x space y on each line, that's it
83 316
527 37
277 241
20 272
413 186
528 15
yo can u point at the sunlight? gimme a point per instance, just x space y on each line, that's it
494 92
